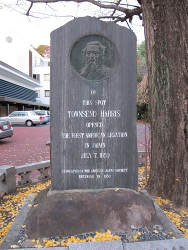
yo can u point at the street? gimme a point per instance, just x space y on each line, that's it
28 144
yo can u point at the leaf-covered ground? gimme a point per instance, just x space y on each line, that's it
179 216
11 204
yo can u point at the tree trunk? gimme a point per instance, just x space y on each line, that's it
166 32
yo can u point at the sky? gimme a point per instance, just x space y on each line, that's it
36 30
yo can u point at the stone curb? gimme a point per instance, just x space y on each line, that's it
167 224
13 232
165 221
178 244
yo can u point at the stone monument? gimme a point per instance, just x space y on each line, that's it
93 134
93 106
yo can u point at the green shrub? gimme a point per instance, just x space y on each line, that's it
142 112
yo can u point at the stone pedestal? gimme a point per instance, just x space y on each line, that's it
66 213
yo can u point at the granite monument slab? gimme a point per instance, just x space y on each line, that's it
93 106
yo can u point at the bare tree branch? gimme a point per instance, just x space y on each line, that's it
110 17
27 14
94 2
128 24
128 13
118 2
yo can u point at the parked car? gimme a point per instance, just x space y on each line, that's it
28 118
44 113
6 129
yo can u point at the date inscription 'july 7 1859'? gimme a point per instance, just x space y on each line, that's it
94 90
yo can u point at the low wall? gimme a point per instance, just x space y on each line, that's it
11 177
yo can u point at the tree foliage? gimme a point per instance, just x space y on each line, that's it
142 51
43 50
141 62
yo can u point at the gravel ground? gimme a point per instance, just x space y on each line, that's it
133 235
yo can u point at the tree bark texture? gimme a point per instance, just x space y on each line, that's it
166 32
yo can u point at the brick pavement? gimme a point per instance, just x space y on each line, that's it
26 146
29 145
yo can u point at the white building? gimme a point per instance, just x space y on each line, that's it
17 91
41 72
16 52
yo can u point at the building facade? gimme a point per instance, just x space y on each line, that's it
16 52
17 91
41 72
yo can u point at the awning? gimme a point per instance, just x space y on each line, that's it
14 100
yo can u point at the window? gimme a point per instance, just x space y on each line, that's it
13 114
37 61
36 76
32 113
16 114
46 77
47 93
38 93
24 114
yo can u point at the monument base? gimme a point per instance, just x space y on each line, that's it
80 211
73 212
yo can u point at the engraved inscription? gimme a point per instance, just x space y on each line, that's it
95 173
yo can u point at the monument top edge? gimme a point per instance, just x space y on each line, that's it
81 20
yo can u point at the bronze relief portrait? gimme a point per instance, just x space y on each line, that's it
93 57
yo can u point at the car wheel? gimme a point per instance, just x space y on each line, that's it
29 123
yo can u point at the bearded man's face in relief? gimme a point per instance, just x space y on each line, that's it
92 55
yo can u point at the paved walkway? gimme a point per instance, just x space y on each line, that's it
29 145
26 146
